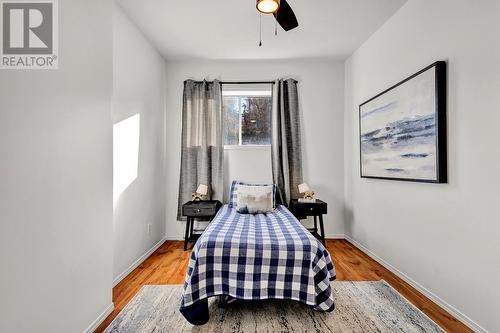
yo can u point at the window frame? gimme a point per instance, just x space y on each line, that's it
244 94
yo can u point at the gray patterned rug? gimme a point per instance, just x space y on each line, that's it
371 306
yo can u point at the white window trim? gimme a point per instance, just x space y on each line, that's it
247 93
247 147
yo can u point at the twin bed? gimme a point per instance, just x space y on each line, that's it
256 257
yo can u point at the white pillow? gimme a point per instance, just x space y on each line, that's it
233 193
255 199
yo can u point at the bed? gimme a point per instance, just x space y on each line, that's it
256 257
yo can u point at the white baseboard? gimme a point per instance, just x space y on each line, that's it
327 236
430 295
139 261
92 327
335 236
174 238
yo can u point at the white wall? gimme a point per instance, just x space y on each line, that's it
321 95
139 88
240 163
55 181
444 237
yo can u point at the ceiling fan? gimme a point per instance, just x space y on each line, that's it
282 12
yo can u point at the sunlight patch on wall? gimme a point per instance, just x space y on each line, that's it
126 135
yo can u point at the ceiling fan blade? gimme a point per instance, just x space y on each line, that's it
286 17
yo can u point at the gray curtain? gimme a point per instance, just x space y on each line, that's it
286 146
202 149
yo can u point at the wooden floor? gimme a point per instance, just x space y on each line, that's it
168 266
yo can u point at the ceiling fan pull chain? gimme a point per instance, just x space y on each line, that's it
276 20
260 30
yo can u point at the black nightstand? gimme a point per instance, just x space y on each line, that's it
302 210
203 210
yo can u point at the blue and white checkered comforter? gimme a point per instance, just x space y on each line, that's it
257 257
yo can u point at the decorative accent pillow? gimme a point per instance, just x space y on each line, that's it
255 199
233 194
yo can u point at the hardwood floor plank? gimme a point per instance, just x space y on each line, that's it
168 264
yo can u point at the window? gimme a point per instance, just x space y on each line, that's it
246 114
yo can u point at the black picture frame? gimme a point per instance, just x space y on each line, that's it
440 125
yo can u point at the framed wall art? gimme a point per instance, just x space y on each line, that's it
403 129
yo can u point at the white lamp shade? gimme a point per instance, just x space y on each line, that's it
202 189
268 6
304 188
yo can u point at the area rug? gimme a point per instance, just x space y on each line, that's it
371 306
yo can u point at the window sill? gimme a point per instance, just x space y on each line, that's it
247 147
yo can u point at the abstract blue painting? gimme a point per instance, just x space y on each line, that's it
402 130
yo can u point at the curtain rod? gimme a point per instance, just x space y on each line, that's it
245 82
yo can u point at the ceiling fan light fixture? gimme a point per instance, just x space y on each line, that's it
268 6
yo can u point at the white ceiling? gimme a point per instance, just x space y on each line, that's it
216 29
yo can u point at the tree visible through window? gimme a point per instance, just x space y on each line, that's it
247 115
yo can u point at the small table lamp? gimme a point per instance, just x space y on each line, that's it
200 193
306 191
